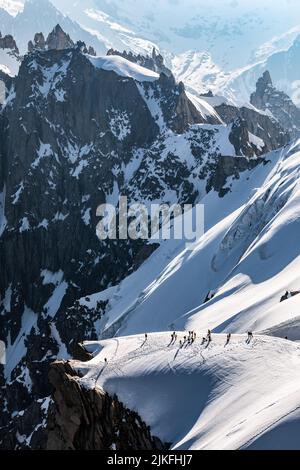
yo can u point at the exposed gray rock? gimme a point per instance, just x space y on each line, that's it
59 40
244 121
278 104
8 42
38 43
90 419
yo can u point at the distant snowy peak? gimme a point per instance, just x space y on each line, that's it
124 68
12 7
114 33
201 74
41 16
284 68
198 71
277 44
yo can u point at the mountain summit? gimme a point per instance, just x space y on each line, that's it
277 103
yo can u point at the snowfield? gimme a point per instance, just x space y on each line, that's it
216 396
8 63
236 395
248 258
124 68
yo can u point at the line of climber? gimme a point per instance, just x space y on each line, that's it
191 337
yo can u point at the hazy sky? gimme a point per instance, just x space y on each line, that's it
231 30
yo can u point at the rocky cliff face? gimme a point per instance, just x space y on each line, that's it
90 419
277 104
10 58
253 133
57 40
74 136
8 42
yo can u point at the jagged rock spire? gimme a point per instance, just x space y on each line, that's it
8 42
279 104
58 39
39 43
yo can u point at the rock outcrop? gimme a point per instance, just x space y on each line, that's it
90 419
278 104
253 133
57 40
38 43
8 42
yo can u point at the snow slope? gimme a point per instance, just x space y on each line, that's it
248 257
8 62
124 68
198 72
215 396
174 281
203 106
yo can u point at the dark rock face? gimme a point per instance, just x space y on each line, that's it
73 136
91 51
271 135
82 419
229 166
39 43
31 421
8 42
277 103
59 40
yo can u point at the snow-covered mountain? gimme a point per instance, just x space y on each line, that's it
283 67
99 127
198 72
23 19
277 104
130 26
201 74
242 393
40 16
13 7
78 130
232 32
249 249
